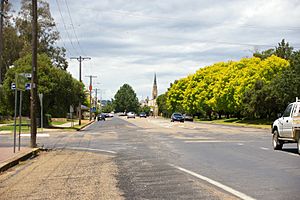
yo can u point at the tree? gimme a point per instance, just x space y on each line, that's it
126 100
284 50
47 35
146 109
108 107
162 107
59 88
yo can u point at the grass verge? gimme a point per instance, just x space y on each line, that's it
257 123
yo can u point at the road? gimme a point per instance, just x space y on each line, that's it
156 159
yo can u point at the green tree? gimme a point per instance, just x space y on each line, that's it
145 109
59 88
109 107
162 107
47 34
284 50
126 100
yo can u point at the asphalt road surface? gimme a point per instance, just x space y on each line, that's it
156 159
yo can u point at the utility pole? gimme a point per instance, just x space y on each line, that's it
96 99
1 38
33 102
91 88
80 59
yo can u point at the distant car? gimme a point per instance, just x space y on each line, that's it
142 114
130 115
110 115
101 117
177 117
188 117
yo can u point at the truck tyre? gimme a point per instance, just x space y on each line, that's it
277 144
298 145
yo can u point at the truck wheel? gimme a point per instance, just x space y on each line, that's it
298 145
277 144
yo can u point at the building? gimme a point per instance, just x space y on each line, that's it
152 103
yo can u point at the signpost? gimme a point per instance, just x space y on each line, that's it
71 115
41 101
19 85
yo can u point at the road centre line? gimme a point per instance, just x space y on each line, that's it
264 148
90 149
215 183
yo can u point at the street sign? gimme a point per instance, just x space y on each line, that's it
20 80
28 86
71 109
93 109
13 86
91 88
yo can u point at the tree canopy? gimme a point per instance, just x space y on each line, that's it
59 88
228 87
125 100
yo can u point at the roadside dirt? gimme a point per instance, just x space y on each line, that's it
62 174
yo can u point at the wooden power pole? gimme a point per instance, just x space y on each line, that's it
80 59
34 80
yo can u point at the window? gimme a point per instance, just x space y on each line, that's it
288 111
296 112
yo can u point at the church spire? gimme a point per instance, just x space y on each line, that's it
154 89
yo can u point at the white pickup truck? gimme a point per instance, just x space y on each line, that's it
286 129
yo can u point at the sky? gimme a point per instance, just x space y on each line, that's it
129 41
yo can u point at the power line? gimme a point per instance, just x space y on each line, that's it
62 18
62 40
72 24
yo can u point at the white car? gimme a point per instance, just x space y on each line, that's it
286 129
130 115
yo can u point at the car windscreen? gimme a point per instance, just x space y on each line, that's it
177 115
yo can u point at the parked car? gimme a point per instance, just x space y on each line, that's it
101 117
110 115
130 115
177 117
286 129
142 114
188 117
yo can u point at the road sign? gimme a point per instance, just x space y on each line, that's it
27 75
71 109
91 88
20 81
13 86
28 86
93 109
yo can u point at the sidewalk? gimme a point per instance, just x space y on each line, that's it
8 152
9 159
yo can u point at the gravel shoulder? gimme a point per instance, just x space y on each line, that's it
62 174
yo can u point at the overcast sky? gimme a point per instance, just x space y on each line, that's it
130 40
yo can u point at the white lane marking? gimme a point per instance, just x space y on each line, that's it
90 149
209 141
264 148
38 135
215 183
240 144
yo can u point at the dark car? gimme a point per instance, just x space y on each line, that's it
177 117
142 114
101 117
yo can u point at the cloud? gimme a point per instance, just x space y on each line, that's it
130 40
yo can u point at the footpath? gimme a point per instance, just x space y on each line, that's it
9 159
